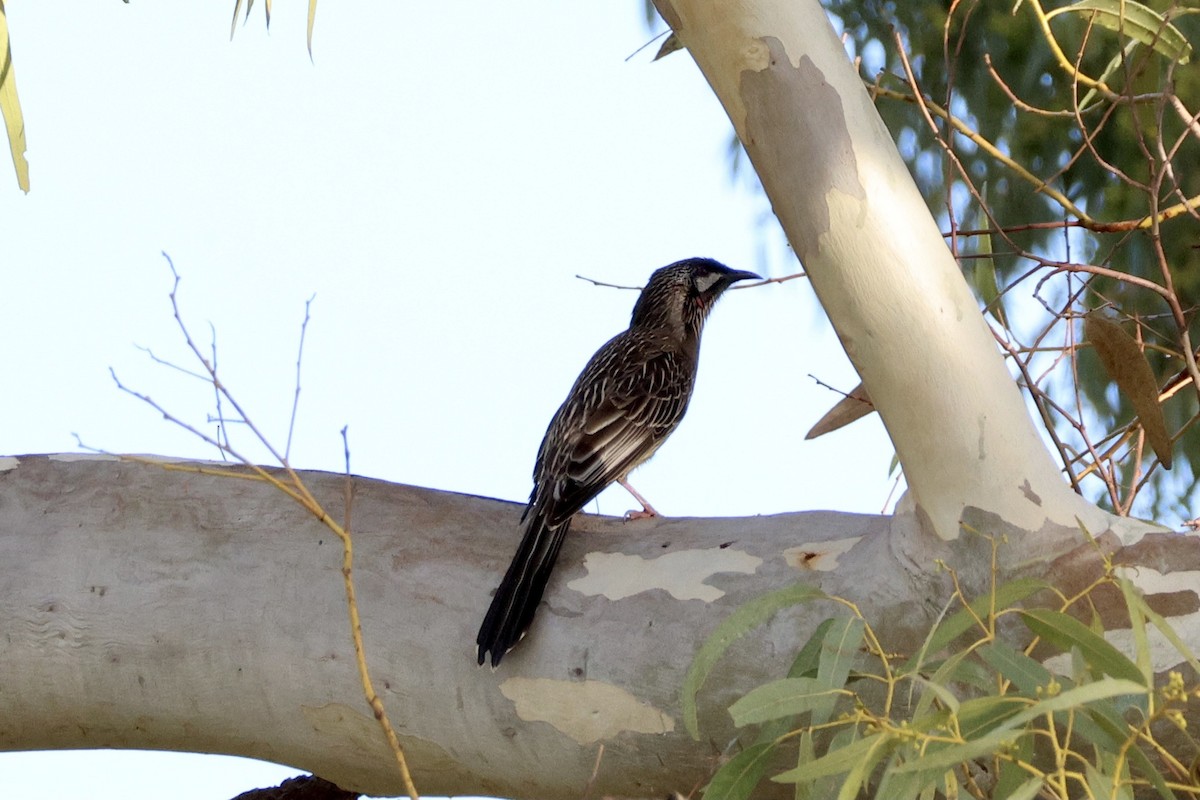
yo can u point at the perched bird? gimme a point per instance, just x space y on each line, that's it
624 405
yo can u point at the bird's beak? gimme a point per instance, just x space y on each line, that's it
739 275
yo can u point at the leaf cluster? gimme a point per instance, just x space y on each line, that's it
976 712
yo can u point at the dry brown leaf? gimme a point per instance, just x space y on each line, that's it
855 405
1126 364
669 45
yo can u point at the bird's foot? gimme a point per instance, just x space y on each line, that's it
645 513
647 509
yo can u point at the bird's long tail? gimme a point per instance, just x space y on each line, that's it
521 590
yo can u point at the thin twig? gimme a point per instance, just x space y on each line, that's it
294 487
287 451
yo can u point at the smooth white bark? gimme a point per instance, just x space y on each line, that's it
877 261
141 608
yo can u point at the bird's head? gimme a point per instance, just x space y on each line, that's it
680 295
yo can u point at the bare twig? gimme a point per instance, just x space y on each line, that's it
287 451
290 484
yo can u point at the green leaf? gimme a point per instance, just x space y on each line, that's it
740 775
780 699
835 762
1102 726
819 788
980 715
1101 784
1137 626
1004 729
1013 781
902 785
838 653
1064 631
860 773
743 620
1138 22
1027 674
1026 791
987 286
1006 596
808 659
1167 631
935 689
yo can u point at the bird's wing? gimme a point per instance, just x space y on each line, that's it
625 422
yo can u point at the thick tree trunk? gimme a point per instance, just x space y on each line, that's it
878 263
141 608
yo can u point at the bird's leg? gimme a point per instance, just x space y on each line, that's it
647 509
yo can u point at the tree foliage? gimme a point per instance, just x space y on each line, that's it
1057 147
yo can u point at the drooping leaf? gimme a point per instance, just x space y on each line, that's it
779 699
938 760
987 284
835 762
1168 633
1136 21
312 16
1027 674
1065 632
1126 364
10 106
1012 781
861 771
1137 626
1026 791
1101 784
738 777
1104 728
958 623
838 653
809 658
743 620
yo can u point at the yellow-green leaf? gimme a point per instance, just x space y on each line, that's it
1126 364
10 106
312 15
1137 21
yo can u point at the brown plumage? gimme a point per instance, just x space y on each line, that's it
626 402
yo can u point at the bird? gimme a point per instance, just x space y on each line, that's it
629 398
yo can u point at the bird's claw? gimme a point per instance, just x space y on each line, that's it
644 513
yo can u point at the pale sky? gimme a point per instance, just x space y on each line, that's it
436 177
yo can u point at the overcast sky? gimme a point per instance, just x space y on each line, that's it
436 177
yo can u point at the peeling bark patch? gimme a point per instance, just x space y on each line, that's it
820 556
1030 494
682 574
8 462
778 101
1163 552
588 711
